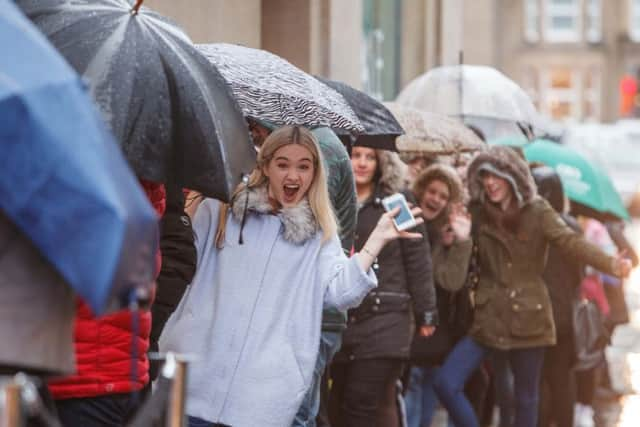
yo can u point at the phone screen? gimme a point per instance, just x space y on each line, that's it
404 215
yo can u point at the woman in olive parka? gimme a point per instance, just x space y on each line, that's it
513 228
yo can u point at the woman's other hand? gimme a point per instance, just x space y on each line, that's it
427 331
621 266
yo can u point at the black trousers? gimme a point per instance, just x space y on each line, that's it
363 393
558 388
113 410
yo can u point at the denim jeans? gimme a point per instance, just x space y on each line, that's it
525 364
420 400
462 361
329 345
503 381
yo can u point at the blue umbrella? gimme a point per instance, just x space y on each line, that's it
63 179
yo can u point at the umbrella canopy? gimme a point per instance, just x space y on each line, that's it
469 91
167 105
585 184
431 133
269 88
63 179
380 126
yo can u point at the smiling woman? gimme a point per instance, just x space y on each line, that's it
253 311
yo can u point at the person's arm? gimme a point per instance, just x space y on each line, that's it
576 246
451 265
348 280
416 258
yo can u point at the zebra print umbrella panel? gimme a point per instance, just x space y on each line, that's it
269 88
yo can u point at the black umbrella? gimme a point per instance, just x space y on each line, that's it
167 105
380 126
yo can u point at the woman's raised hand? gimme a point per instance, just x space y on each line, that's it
384 233
460 221
621 265
387 230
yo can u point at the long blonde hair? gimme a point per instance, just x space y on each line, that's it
318 193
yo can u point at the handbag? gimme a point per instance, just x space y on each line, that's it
590 334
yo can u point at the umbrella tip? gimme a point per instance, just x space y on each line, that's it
134 10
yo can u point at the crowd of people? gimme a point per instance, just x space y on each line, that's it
304 305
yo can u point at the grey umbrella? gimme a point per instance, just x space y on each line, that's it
270 88
169 108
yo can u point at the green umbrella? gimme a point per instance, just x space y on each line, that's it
584 183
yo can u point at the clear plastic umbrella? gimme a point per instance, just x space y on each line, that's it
469 91
431 133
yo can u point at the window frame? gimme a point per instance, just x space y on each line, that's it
531 20
634 17
552 35
593 33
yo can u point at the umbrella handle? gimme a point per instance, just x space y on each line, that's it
134 10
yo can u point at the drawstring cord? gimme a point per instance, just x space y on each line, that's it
245 179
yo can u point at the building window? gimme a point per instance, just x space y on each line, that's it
565 94
561 94
382 24
531 20
562 20
634 20
594 21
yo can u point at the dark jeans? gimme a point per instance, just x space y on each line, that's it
364 393
329 345
466 356
558 391
113 410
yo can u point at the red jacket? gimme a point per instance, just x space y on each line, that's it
104 345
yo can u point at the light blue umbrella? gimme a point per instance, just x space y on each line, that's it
63 179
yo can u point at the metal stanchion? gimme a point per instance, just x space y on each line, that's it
176 368
11 405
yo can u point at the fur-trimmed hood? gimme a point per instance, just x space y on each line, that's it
392 172
299 222
504 162
443 173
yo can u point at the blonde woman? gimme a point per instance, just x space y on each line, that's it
266 266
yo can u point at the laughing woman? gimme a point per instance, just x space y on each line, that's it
266 265
512 316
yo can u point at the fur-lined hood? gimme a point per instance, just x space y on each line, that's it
443 173
299 222
392 172
504 162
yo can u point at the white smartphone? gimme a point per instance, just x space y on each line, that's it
404 220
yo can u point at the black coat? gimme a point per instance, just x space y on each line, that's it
178 265
563 276
382 326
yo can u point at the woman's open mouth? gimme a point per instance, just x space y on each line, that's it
290 192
